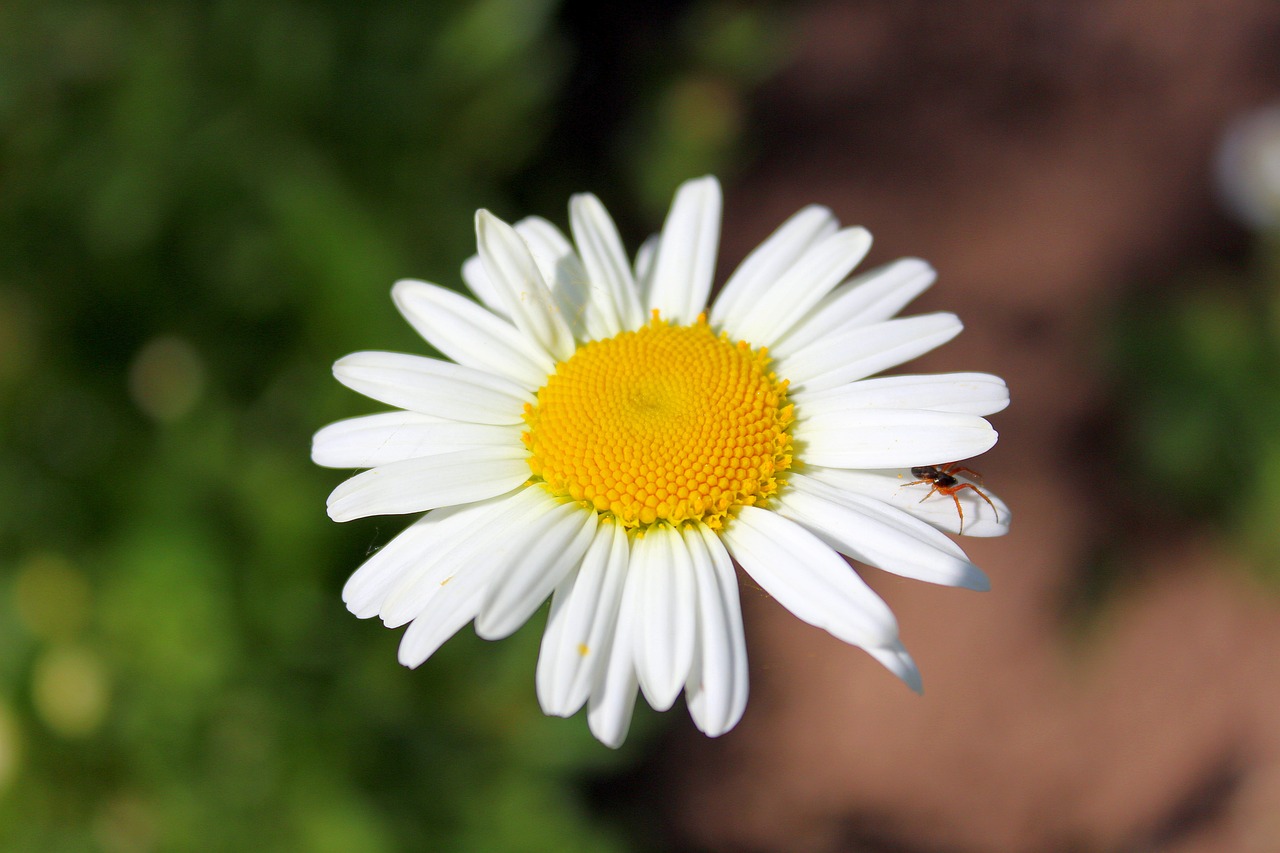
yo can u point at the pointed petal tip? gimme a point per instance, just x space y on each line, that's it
895 658
915 265
407 283
362 604
317 453
344 366
909 673
610 723
708 182
661 697
486 224
334 508
719 729
361 613
404 289
952 319
341 514
858 235
613 740
412 661
975 579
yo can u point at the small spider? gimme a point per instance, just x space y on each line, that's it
945 482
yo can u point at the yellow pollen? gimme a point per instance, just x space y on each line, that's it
665 424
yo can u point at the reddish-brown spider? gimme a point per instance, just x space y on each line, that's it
945 482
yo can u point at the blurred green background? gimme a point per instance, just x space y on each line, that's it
202 206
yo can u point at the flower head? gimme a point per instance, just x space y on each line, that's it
601 438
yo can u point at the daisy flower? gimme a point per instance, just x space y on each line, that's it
601 437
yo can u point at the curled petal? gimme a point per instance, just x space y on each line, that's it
520 285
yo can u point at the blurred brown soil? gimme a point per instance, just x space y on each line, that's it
1045 157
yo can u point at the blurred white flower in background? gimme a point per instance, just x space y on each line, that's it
1248 168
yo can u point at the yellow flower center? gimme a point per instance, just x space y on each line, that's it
669 423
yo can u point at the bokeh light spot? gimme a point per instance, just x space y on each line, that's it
166 378
51 596
126 823
10 747
70 691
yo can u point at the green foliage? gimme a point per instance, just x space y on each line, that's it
202 205
689 123
1200 379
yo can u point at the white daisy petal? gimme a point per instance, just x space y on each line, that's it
545 560
551 250
895 659
552 254
470 335
892 488
769 262
965 393
412 554
444 616
478 282
872 297
416 485
372 440
572 292
890 438
686 259
584 615
462 544
613 695
879 535
716 692
861 351
451 588
617 301
662 572
520 285
776 308
645 256
808 578
367 588
432 387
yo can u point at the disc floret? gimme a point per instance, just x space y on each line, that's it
669 423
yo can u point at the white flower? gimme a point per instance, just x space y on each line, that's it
1248 168
598 438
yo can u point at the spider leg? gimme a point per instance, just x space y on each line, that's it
981 494
931 491
954 469
959 509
